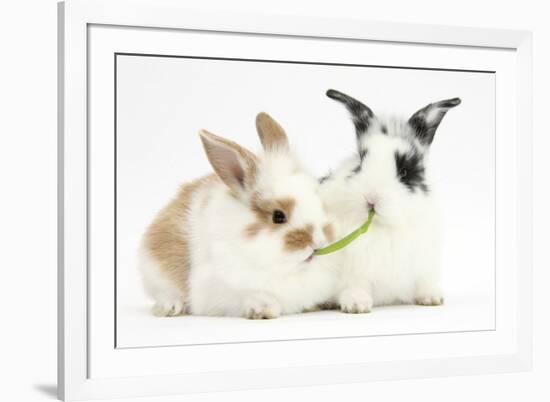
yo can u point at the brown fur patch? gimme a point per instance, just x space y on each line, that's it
328 230
286 205
253 229
258 207
167 237
298 239
263 209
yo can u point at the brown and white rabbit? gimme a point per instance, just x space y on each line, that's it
239 242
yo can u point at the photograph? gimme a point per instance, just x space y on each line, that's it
252 200
260 200
290 201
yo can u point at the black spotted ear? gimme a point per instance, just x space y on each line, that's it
425 122
361 114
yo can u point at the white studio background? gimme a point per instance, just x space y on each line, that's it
163 102
28 202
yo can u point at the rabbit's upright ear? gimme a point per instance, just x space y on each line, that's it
361 114
272 135
235 165
425 121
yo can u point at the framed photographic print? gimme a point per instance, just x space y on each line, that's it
253 201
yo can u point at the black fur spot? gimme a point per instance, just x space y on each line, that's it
361 126
424 132
410 170
363 154
384 129
325 178
355 170
449 103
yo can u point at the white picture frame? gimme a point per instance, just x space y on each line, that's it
89 364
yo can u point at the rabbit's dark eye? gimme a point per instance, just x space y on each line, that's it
279 217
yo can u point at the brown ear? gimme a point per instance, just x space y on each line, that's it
271 134
235 165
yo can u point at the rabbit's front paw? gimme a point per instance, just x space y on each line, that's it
260 306
429 300
355 301
168 308
428 295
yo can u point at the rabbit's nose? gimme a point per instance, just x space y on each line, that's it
371 202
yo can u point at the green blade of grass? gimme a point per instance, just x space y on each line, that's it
343 242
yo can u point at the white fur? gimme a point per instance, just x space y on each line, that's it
232 275
397 260
236 276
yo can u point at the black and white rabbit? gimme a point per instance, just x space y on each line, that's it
397 261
